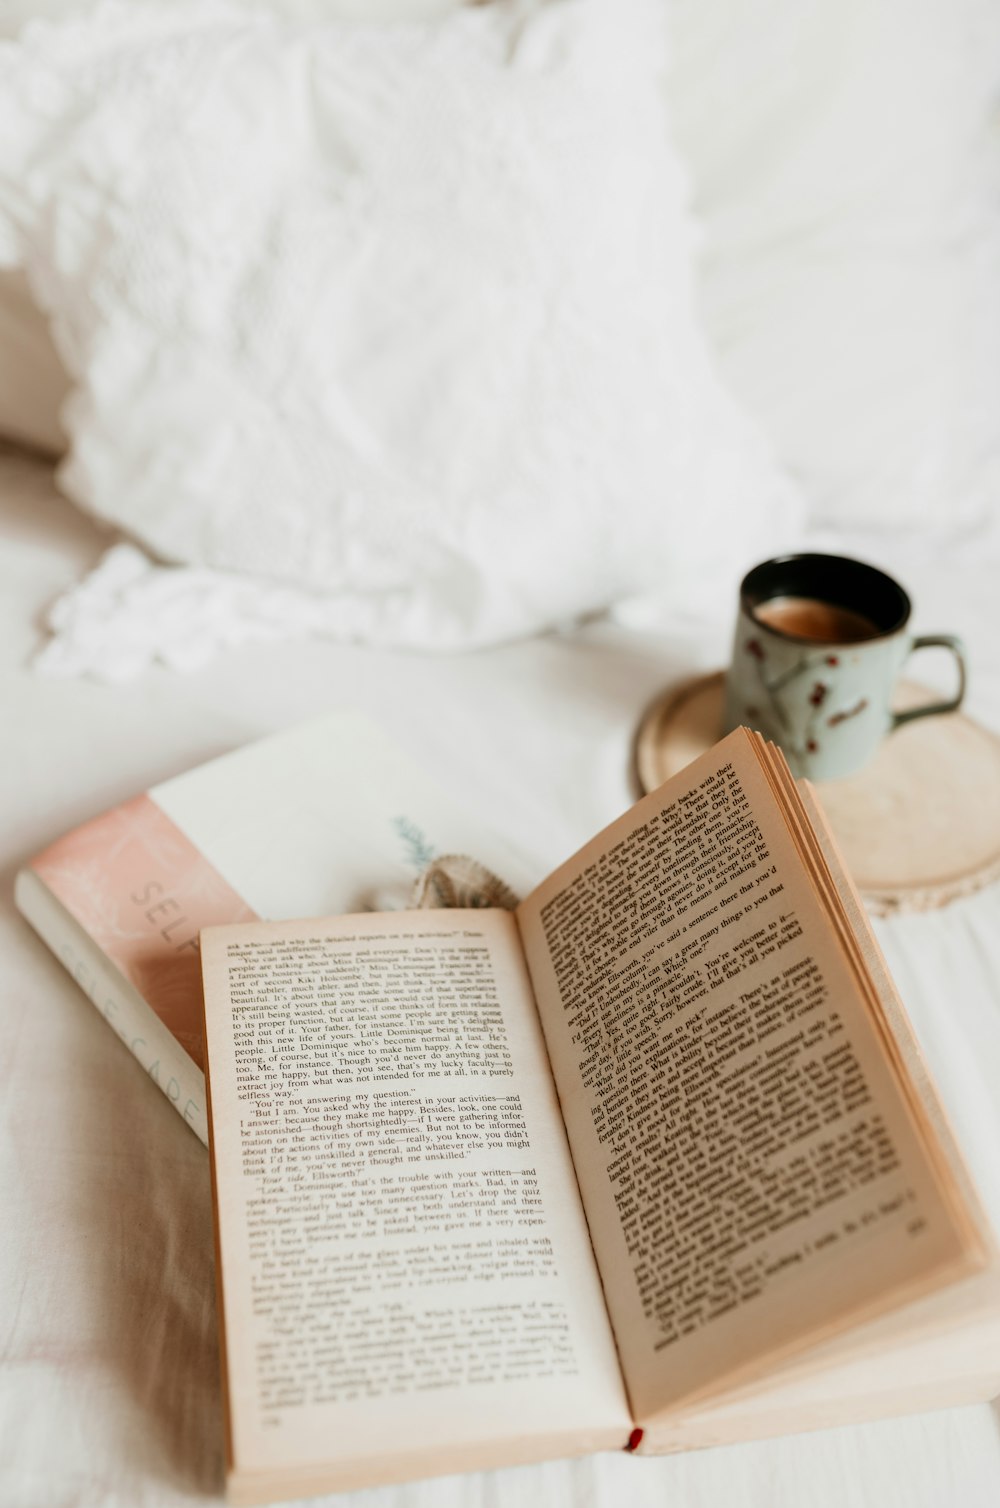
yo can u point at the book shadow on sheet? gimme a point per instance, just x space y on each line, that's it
174 1367
160 1289
136 1225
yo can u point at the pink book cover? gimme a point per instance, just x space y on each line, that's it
141 889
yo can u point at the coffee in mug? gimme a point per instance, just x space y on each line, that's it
822 622
820 641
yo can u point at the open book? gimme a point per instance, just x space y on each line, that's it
652 1162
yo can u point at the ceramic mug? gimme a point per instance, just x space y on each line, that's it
820 642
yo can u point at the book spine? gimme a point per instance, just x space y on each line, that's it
119 1002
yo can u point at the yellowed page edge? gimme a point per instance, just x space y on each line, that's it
916 1074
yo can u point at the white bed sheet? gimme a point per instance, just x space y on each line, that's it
109 1391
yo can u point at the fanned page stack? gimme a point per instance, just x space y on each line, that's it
653 1162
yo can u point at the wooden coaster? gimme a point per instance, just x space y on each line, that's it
919 826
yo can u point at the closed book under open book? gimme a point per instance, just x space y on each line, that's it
328 816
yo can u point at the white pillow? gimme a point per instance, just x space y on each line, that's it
845 155
401 312
33 380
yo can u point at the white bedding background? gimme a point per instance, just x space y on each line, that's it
842 160
109 1389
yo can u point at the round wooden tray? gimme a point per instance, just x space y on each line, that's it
919 826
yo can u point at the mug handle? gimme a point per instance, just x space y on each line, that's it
938 641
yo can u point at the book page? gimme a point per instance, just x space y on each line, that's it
753 1173
408 1284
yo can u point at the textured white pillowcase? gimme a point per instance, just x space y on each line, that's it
402 313
33 380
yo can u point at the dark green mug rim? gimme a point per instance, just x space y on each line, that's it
838 581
